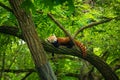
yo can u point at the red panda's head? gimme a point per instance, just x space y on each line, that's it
52 39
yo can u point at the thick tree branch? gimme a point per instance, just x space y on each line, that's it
6 7
91 25
104 69
10 30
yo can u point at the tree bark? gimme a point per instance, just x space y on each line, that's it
30 36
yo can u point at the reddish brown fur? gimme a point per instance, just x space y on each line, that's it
65 40
81 46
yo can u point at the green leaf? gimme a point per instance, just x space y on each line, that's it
28 5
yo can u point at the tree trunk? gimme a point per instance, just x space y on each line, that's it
30 36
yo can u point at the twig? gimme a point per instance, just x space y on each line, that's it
28 74
15 56
6 7
3 65
105 55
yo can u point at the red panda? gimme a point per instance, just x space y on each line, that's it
65 41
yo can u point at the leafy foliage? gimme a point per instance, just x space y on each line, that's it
103 39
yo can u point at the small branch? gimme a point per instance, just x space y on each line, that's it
28 74
15 56
11 30
116 67
73 75
57 22
3 64
105 55
91 25
60 25
57 57
6 7
18 71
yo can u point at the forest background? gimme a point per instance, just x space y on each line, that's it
26 55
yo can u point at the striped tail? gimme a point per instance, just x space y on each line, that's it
82 47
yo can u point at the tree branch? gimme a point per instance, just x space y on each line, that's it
116 67
6 7
3 64
10 30
103 68
59 25
18 71
73 75
28 74
91 25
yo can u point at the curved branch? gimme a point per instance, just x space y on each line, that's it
103 67
91 25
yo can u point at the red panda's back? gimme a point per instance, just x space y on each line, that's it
63 40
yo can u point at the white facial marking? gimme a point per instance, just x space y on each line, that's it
52 39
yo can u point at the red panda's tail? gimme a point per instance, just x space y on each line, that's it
82 47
